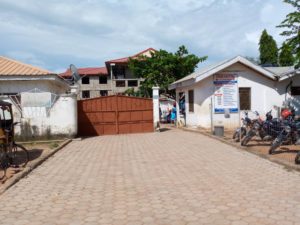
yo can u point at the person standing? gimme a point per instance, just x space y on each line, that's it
173 114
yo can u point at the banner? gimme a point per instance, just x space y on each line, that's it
226 93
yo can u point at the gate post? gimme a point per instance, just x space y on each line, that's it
155 99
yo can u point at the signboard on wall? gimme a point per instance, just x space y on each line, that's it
226 93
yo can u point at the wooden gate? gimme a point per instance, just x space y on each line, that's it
114 115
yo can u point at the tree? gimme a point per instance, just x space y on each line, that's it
268 49
286 57
292 25
163 68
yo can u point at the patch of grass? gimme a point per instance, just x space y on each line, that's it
53 145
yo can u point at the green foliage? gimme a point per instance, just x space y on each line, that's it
53 145
163 68
141 92
292 29
268 49
286 57
130 92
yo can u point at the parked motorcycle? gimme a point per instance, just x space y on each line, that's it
266 130
297 159
288 135
256 127
241 132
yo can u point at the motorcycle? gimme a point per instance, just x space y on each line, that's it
266 130
256 126
297 158
288 135
242 131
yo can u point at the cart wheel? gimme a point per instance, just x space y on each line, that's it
3 164
19 156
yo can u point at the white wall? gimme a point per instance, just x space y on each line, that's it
265 94
60 122
17 86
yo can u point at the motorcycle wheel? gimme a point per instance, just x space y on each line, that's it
244 132
297 158
261 135
235 135
274 146
246 140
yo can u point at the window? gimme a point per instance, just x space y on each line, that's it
132 83
119 72
85 80
120 83
295 90
103 93
102 80
191 100
245 98
85 94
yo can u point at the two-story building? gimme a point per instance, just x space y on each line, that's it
114 78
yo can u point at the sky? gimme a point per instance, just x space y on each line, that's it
55 33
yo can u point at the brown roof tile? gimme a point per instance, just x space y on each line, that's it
13 67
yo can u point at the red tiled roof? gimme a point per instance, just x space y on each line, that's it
126 59
96 71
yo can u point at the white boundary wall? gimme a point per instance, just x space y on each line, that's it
61 121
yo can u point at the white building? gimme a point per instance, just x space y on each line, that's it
232 86
41 100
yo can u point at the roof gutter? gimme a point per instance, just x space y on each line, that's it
182 84
289 75
48 77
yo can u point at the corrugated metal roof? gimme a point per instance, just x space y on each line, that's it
13 67
96 71
280 71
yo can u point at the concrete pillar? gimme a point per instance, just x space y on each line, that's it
155 99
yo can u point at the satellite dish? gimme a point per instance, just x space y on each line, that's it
75 75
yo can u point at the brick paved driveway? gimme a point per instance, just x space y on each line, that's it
174 177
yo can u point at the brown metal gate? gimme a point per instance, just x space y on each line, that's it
114 115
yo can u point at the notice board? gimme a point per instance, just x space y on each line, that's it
226 92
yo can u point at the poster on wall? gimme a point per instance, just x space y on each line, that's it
226 93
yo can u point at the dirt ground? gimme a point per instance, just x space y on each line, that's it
285 152
36 151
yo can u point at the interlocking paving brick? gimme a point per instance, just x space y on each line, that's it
173 177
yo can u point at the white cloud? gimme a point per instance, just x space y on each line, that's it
26 57
60 32
253 36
